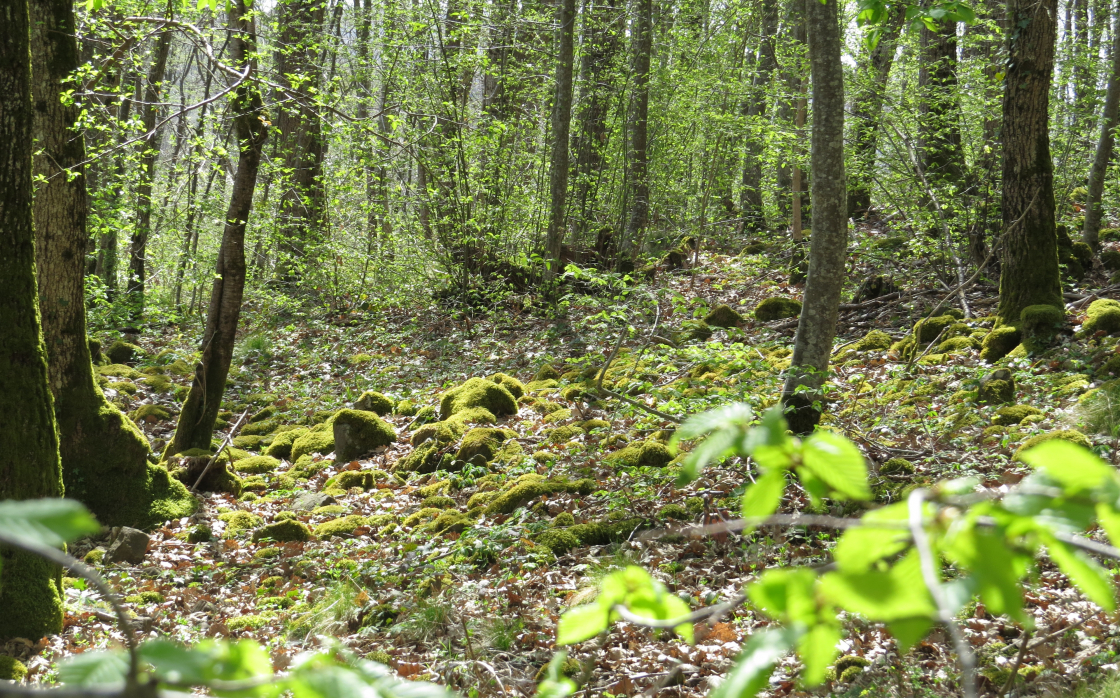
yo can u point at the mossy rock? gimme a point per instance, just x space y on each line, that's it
440 432
405 408
11 669
483 441
875 340
425 458
1013 414
118 371
447 522
723 316
343 526
257 464
1039 324
557 416
958 344
589 424
996 392
200 534
250 443
1110 258
283 531
514 386
1109 234
930 329
156 413
254 483
261 428
311 442
373 401
571 669
561 540
1071 435
563 520
542 385
424 515
438 501
357 432
649 453
95 556
122 352
353 478
282 442
472 415
1102 316
267 413
1000 342
159 384
238 521
674 512
526 489
777 309
478 392
186 467
693 330
546 372
896 467
561 435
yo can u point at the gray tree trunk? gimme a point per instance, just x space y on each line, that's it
1105 144
561 126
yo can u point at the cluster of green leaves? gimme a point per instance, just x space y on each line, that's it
240 669
989 542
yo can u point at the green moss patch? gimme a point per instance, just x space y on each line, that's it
1013 414
723 316
483 440
1101 316
647 453
777 309
478 392
999 343
1071 435
528 488
561 540
311 442
257 464
373 401
343 526
514 386
283 532
357 432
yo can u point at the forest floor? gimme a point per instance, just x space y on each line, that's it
476 605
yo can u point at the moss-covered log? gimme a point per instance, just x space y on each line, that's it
30 601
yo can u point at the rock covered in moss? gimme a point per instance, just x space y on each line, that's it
896 467
997 387
187 467
265 426
405 408
150 413
428 457
529 487
563 520
514 386
283 531
343 526
250 443
546 372
11 669
957 344
478 392
561 435
447 522
875 340
373 401
693 330
999 343
1039 324
357 432
1102 316
418 517
723 316
649 453
929 329
158 384
1013 414
257 464
313 441
354 478
122 352
1071 435
483 441
118 371
1110 258
282 442
441 432
239 521
777 308
561 540
438 501
200 534
674 512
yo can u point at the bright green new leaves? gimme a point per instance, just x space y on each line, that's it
752 669
836 462
1093 580
996 567
632 588
892 594
883 533
49 522
727 426
94 669
1075 469
790 596
817 649
555 684
873 13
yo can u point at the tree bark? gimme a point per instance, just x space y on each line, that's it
1030 273
561 125
939 128
793 34
301 137
816 328
1103 154
30 588
149 155
754 109
200 410
867 109
637 154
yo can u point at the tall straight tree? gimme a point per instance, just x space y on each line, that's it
793 36
939 128
149 156
637 142
1030 273
30 587
104 456
1105 143
200 410
300 135
828 249
754 109
561 125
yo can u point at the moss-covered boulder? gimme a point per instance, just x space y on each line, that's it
150 413
999 343
561 540
405 408
348 479
187 467
265 426
283 532
239 521
11 669
313 441
1013 414
896 467
441 432
438 501
957 345
693 330
344 526
647 453
997 387
929 329
281 446
1071 435
357 432
514 386
1039 324
447 522
373 401
723 316
428 457
249 443
1102 316
562 435
122 352
546 372
478 392
118 371
529 487
484 441
1110 258
777 309
256 464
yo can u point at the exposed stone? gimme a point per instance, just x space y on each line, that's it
312 500
129 545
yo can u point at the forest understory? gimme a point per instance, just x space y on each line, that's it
458 574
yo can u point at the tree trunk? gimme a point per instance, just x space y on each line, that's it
561 125
107 246
816 328
867 110
301 137
637 155
30 587
1030 273
149 155
939 128
200 410
793 34
1103 154
104 456
754 109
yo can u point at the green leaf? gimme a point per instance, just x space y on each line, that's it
1092 579
582 623
882 595
176 664
49 522
908 632
763 497
752 669
861 547
1109 520
555 684
329 682
1075 468
735 415
996 569
107 668
817 649
838 463
786 594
